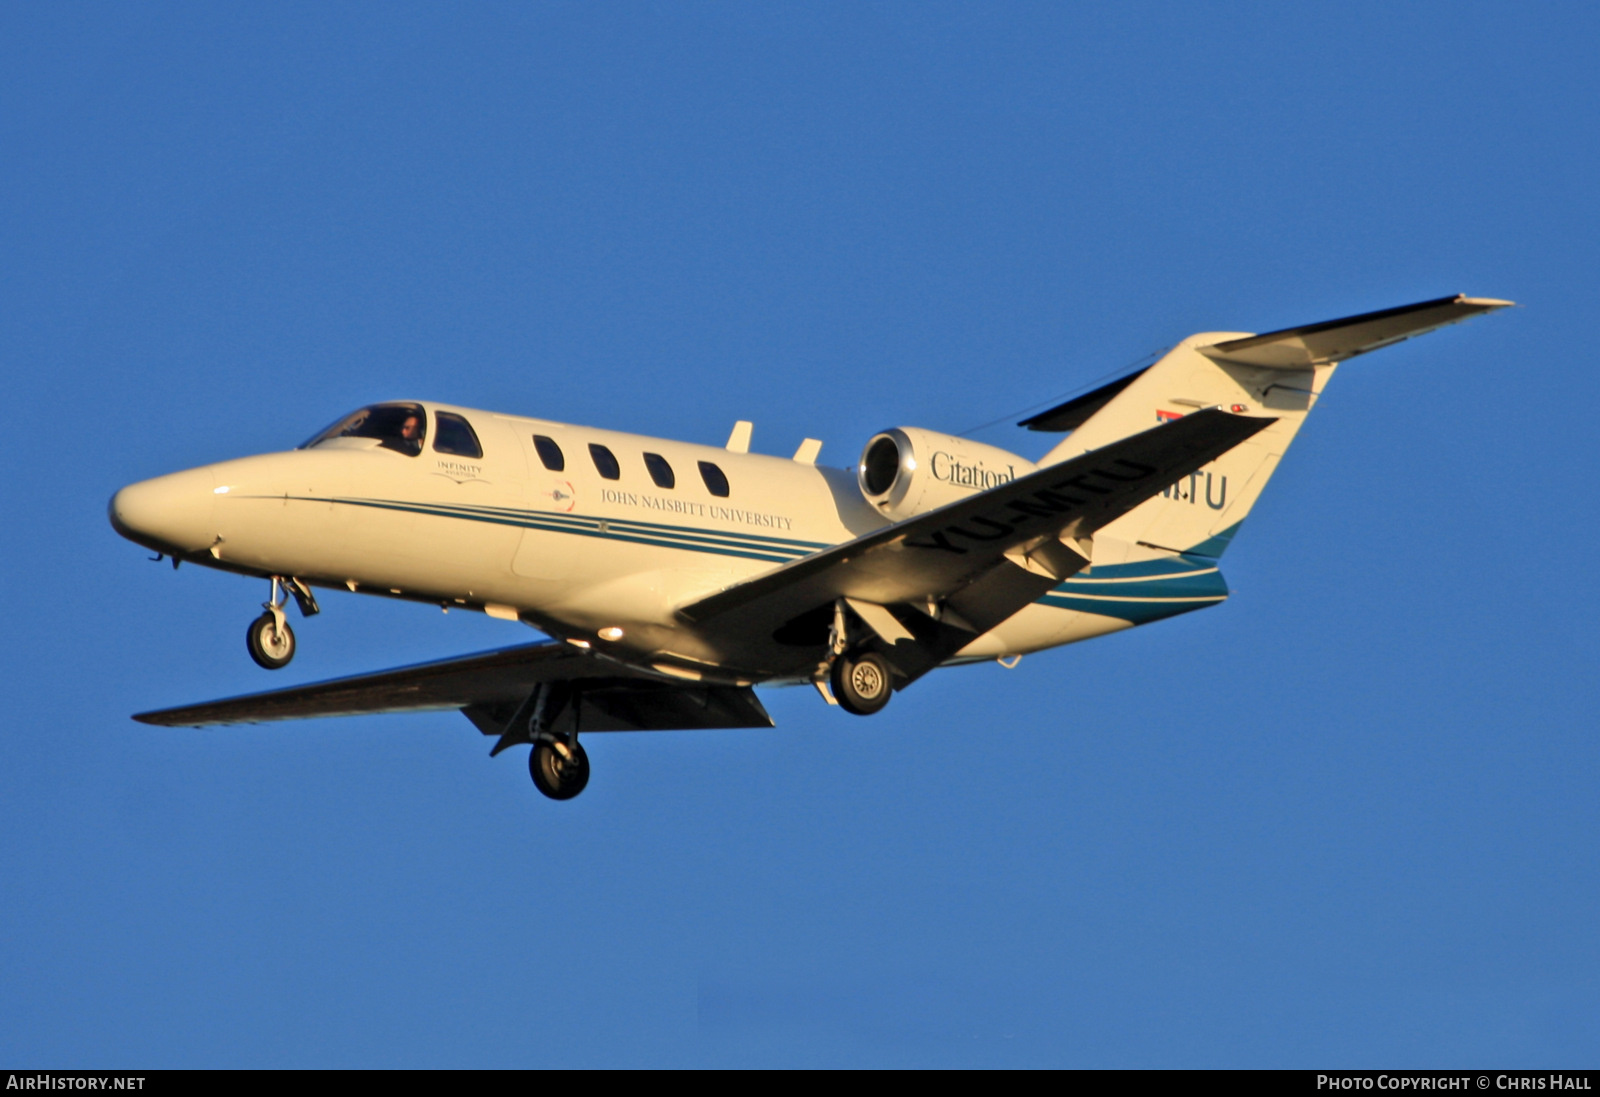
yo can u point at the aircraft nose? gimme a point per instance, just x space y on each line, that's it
170 513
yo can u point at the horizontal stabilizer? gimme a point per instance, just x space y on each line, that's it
1336 340
1075 412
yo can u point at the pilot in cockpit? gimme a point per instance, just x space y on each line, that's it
397 427
410 440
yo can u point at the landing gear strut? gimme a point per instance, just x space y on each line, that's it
548 721
269 638
861 680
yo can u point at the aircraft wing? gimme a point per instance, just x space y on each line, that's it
489 687
963 568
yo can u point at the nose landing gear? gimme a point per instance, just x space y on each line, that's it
269 638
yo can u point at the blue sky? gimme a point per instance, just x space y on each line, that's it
1348 818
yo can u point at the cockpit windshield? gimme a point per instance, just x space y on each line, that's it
400 427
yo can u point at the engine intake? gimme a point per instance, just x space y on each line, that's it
909 470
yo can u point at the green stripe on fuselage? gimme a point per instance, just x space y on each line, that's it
716 542
1138 592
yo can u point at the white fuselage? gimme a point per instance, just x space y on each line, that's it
569 551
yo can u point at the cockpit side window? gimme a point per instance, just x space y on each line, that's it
400 427
455 436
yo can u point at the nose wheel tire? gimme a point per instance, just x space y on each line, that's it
861 683
560 770
271 644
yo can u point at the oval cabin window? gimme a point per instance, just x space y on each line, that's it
605 462
660 471
550 453
716 482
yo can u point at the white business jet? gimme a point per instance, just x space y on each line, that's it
671 578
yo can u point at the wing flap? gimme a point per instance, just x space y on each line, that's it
644 706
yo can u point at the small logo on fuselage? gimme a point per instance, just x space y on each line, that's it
563 492
949 469
459 471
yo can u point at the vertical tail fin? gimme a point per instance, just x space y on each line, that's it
1279 374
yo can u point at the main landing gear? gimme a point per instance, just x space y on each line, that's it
269 638
560 768
861 679
548 721
861 682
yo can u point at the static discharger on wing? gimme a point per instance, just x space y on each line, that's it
673 578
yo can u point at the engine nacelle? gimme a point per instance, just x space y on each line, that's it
909 470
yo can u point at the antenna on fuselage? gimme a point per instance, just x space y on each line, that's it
808 451
739 440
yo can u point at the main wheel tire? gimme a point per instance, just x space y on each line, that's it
559 776
862 683
270 646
